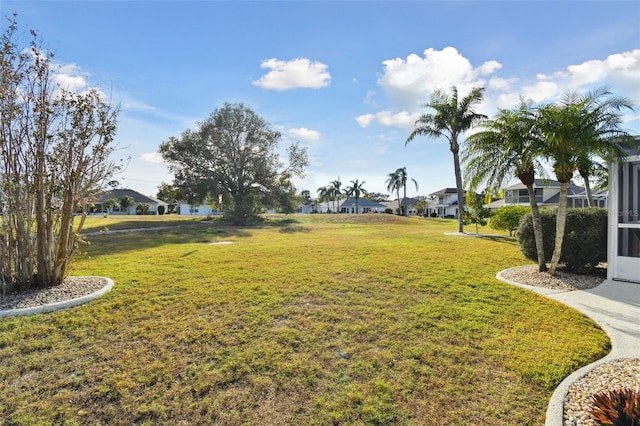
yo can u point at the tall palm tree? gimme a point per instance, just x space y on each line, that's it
393 185
356 189
337 190
397 180
508 146
574 128
452 117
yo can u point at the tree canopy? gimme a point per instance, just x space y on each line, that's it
233 153
451 117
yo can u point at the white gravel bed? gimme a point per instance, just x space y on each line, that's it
530 275
614 375
71 288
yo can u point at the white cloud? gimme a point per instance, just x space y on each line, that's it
152 157
304 134
365 119
297 73
402 119
70 77
410 82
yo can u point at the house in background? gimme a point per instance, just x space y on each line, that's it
118 194
187 209
444 203
412 210
547 193
364 206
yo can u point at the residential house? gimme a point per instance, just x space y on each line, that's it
187 209
155 206
547 194
364 206
412 210
444 203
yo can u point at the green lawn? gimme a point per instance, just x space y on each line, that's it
309 319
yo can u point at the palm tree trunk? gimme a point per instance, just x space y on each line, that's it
405 200
456 167
561 220
587 187
537 228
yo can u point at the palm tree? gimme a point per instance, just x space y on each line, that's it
507 146
452 117
126 202
337 191
393 185
574 128
324 193
356 189
397 180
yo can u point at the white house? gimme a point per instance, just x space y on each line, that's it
187 209
547 193
412 210
623 263
444 204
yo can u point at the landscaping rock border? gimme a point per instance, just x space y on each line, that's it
73 291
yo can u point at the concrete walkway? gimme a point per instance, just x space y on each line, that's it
615 307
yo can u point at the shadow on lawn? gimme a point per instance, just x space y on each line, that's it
497 238
122 240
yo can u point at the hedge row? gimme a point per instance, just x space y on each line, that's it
585 237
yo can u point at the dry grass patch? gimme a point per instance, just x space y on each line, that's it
324 319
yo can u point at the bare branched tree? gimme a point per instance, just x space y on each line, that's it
55 154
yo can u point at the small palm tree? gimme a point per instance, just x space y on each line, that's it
507 146
574 128
324 193
452 117
126 202
356 189
110 204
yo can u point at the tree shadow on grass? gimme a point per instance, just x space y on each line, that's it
122 241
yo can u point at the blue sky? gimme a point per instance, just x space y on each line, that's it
347 79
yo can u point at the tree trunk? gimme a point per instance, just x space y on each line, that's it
587 187
537 228
456 167
405 201
561 219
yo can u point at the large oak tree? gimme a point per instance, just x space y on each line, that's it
233 154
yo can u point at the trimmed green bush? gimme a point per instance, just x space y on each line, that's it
585 238
508 218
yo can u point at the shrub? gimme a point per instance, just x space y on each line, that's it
617 408
585 237
507 218
388 210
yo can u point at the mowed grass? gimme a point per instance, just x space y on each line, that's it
309 319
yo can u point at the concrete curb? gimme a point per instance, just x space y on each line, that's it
614 307
51 307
